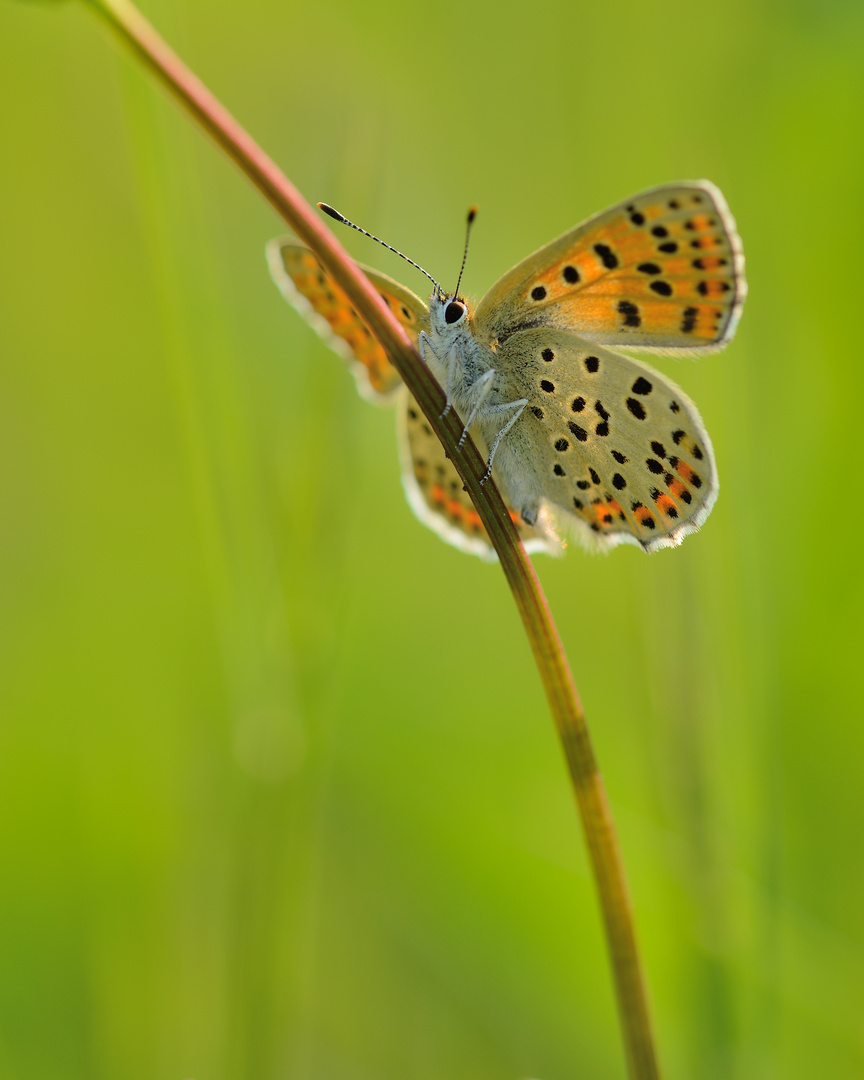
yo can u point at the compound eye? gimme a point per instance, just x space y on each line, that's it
453 312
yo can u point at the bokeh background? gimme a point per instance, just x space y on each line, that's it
280 794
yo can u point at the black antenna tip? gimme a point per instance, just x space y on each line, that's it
329 210
472 213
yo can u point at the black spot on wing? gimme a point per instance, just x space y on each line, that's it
688 320
630 312
606 255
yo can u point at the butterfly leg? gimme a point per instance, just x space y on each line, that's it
452 364
423 343
481 388
519 406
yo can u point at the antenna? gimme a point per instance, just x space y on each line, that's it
472 213
344 220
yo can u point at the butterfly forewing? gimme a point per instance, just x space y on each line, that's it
663 270
612 441
307 286
437 496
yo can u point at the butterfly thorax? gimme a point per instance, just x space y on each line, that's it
457 355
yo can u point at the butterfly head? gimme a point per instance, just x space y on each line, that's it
448 313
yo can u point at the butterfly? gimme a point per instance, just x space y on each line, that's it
575 432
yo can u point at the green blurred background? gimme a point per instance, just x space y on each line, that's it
280 794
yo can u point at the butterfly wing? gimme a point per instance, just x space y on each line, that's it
309 288
435 491
607 439
663 270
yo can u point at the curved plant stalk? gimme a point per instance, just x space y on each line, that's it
600 836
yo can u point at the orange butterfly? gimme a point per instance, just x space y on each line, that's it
574 431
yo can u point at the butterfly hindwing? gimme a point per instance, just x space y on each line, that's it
307 286
436 494
608 439
663 270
